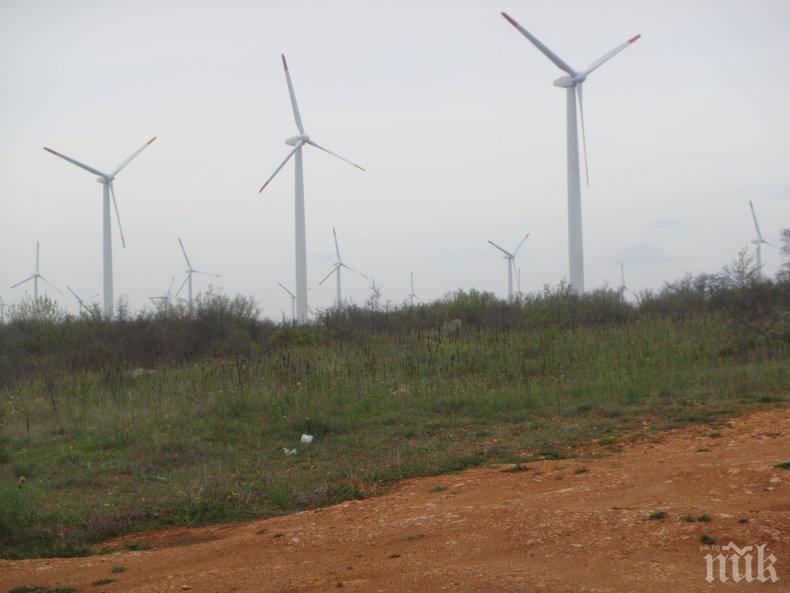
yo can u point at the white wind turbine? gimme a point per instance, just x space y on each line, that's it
511 264
336 270
165 299
108 191
293 302
189 271
84 304
300 241
411 297
572 83
3 308
758 242
35 276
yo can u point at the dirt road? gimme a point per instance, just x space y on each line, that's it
559 526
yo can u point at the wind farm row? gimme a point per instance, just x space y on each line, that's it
571 81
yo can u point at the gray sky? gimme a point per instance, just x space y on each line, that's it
452 112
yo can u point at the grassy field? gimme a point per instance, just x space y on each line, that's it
89 454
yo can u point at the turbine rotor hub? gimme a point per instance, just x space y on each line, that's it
293 141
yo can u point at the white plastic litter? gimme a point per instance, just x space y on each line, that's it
288 451
307 438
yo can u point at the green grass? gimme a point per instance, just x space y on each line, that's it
203 442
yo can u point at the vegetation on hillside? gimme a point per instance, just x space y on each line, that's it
167 417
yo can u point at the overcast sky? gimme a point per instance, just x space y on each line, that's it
452 112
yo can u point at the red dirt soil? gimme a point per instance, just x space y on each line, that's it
551 528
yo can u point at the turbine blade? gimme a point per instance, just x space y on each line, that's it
50 283
277 170
294 106
286 290
608 56
520 244
182 286
505 251
207 273
79 300
337 248
584 134
76 162
558 61
754 217
132 157
769 243
353 270
184 251
23 281
336 155
334 269
117 214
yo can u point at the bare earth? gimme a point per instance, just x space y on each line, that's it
547 529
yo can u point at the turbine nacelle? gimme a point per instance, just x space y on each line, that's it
105 179
570 81
294 140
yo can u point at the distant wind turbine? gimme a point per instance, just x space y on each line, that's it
3 308
165 299
189 271
293 302
411 297
84 304
336 270
35 276
108 190
573 85
758 242
511 264
300 241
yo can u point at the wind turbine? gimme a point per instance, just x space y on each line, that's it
3 308
35 276
165 299
411 297
758 242
83 303
300 242
189 271
108 190
511 264
293 302
572 83
336 269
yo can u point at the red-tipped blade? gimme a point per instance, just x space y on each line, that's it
151 140
285 64
634 38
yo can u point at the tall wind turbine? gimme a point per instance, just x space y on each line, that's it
572 83
189 271
411 297
300 242
758 242
511 264
293 302
35 276
108 190
336 270
84 304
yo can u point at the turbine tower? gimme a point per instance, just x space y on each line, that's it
511 265
163 301
108 191
336 269
300 242
758 242
572 83
189 271
3 307
83 303
35 276
411 297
